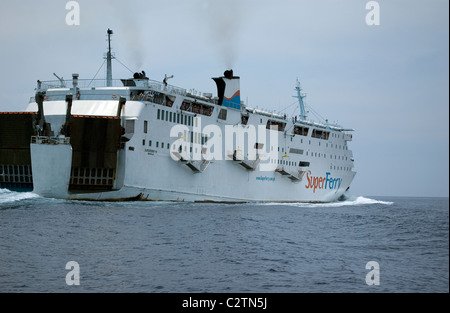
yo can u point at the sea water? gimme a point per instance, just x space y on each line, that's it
362 244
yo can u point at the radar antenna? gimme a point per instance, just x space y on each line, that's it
300 97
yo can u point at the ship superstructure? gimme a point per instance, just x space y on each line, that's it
138 138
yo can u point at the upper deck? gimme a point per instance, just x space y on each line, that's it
97 89
147 90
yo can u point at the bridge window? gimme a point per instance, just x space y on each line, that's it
300 130
197 108
280 126
320 134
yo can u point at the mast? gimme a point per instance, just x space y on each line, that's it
300 97
109 61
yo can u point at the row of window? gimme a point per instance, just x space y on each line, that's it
163 145
189 121
290 163
190 136
194 137
173 117
336 135
199 138
204 139
316 154
336 157
340 168
294 164
157 144
334 146
337 146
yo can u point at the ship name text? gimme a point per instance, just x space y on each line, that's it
327 182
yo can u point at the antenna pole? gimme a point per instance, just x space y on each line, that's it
109 61
300 97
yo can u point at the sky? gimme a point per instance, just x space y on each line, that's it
388 82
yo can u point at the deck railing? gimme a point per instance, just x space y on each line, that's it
95 83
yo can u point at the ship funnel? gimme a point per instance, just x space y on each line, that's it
229 90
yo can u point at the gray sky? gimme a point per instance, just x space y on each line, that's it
388 82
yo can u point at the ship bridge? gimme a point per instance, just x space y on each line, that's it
98 89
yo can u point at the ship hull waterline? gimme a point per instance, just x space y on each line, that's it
52 167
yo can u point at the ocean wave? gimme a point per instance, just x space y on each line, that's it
360 200
349 201
12 196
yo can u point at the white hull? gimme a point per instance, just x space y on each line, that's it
147 172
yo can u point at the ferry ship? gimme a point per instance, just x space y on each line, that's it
141 139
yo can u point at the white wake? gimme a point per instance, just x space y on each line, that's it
354 201
351 201
12 196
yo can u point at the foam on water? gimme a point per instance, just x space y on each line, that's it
351 201
363 200
12 196
360 200
7 196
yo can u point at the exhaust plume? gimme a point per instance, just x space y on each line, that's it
130 29
224 22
